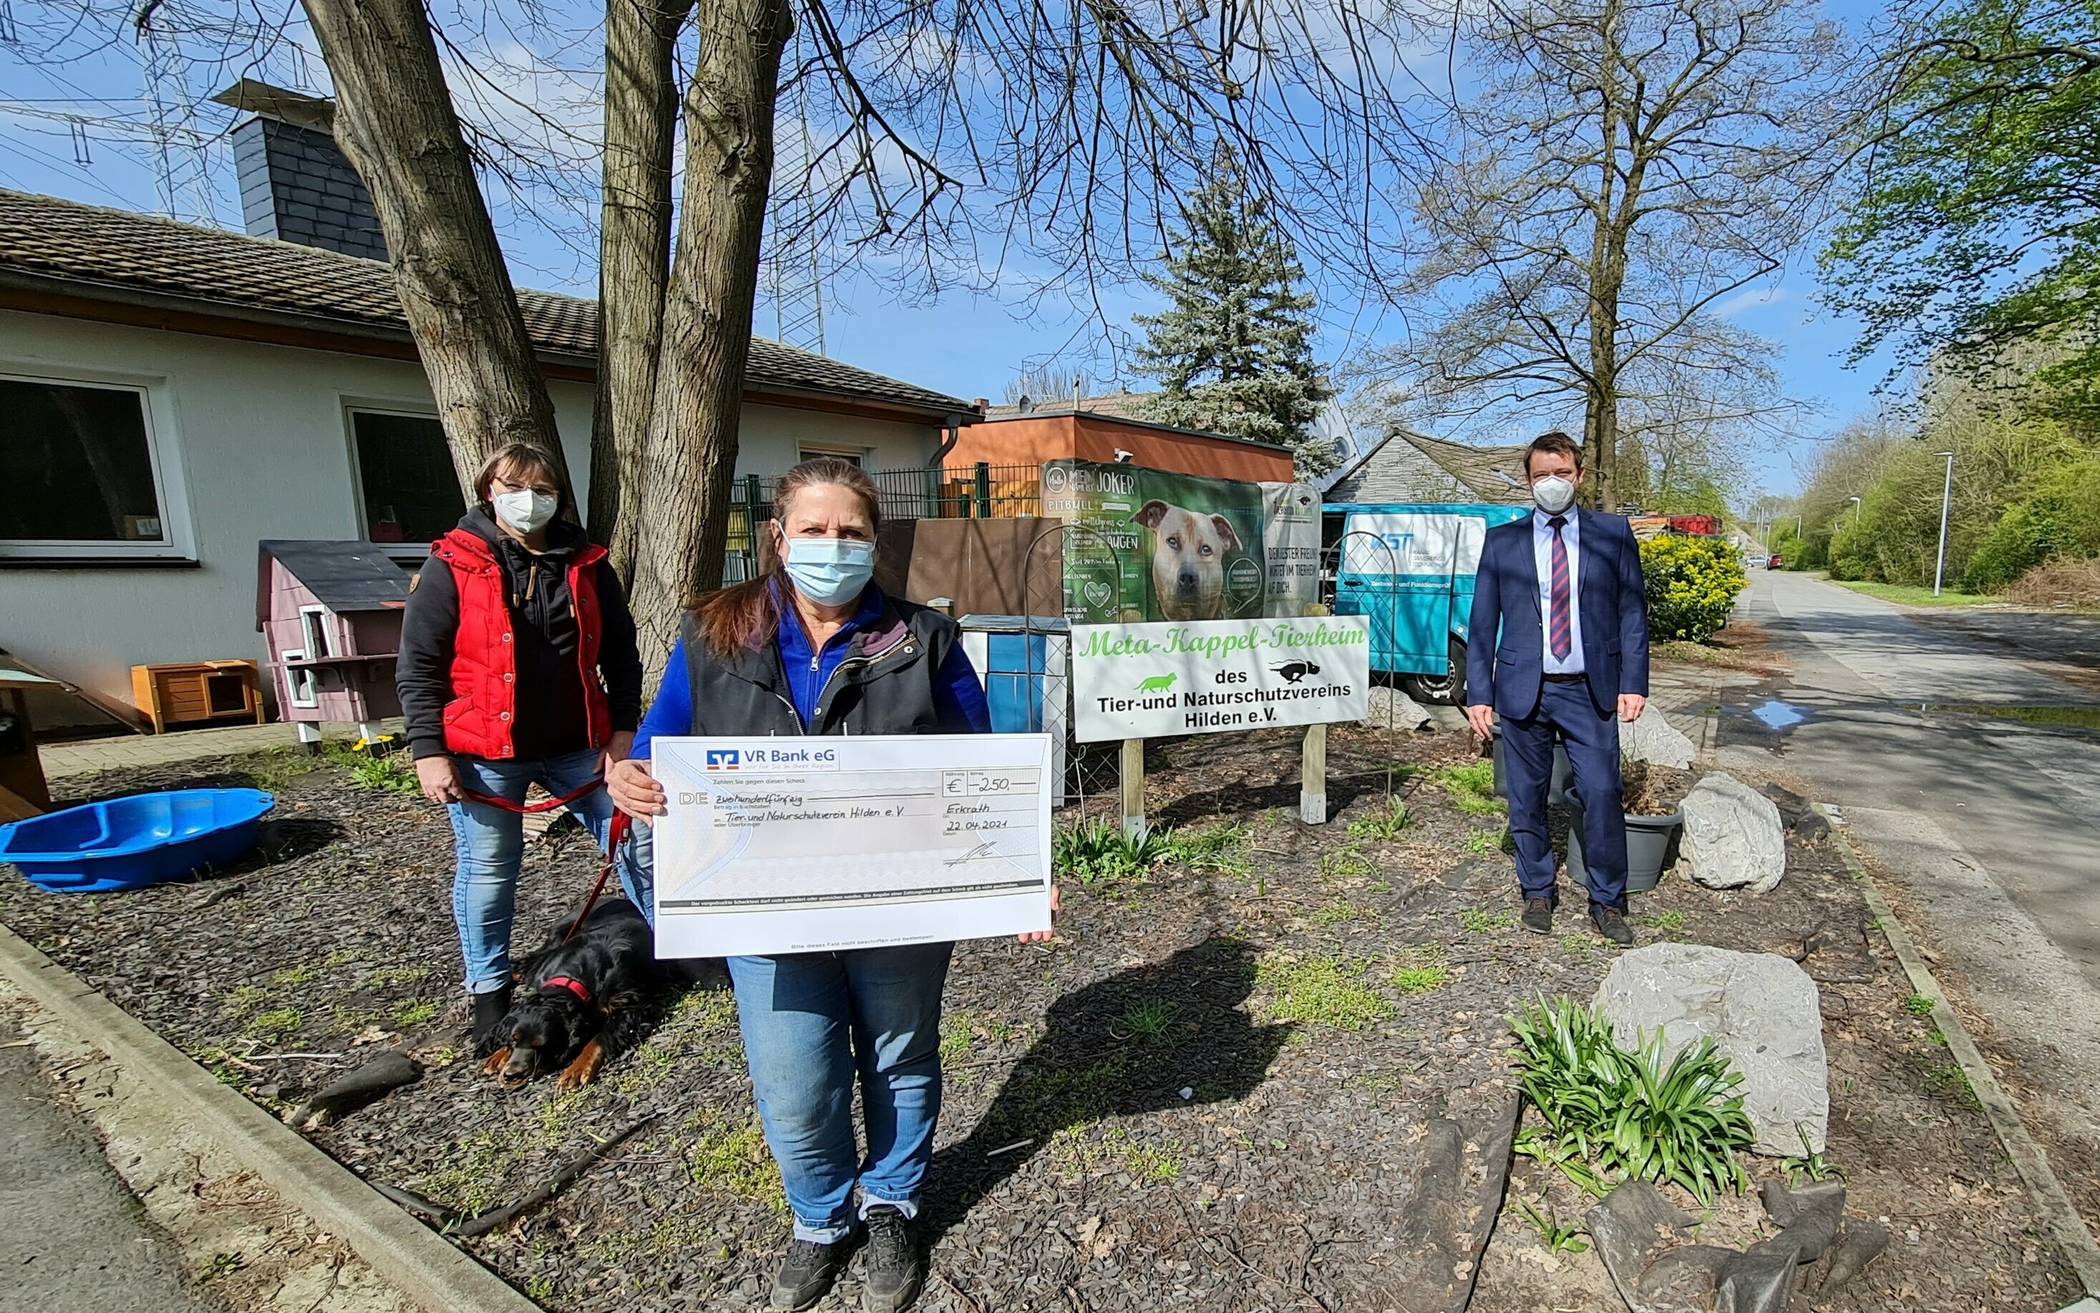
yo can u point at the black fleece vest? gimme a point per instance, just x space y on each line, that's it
883 685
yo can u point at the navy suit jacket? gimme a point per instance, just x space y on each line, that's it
1505 641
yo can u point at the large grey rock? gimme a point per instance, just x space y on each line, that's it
1655 740
1733 837
1760 1009
1391 707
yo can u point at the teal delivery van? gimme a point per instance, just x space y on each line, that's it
1409 567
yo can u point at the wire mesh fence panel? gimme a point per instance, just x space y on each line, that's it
1360 576
1089 770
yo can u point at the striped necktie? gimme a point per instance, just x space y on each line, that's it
1560 628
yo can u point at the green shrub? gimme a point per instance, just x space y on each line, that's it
1613 1115
1095 853
2057 514
1692 585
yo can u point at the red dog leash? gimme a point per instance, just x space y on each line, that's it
615 835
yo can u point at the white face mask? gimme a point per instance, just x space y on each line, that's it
1553 494
525 510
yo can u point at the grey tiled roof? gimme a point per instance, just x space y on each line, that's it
111 253
1413 467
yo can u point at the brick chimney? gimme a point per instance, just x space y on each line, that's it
295 184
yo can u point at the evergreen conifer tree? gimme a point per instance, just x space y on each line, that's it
1234 350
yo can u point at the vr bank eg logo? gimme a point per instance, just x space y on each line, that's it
722 758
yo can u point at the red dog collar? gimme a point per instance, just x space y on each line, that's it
570 983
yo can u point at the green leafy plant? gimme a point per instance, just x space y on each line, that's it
1558 1239
1347 864
1480 920
388 772
1219 848
1150 1019
1918 1005
1613 1114
1482 843
1325 991
1692 585
1669 922
1388 822
1422 972
1097 855
1472 787
1810 1166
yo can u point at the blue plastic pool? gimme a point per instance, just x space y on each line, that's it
129 843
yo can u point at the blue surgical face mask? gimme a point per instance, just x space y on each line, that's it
830 571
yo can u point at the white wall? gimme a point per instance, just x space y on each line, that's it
263 449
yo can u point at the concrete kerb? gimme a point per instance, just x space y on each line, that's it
2052 1205
415 1260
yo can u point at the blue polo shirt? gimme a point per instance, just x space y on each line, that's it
957 696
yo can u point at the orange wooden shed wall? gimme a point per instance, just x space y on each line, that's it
1033 439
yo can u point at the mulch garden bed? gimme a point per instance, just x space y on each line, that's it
1273 1073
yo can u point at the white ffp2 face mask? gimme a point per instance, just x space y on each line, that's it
830 571
1553 494
525 510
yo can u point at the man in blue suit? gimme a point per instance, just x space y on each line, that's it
1558 647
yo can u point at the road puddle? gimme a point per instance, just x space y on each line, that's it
1776 715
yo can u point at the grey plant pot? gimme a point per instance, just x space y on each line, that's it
1649 840
1556 788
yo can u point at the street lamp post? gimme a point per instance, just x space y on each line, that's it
1939 568
1856 506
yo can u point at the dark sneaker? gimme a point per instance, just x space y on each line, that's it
893 1272
1538 915
807 1272
489 1009
1611 923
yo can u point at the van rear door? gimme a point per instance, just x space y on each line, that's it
1411 572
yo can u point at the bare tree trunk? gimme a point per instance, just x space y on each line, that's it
395 121
691 449
1607 273
634 256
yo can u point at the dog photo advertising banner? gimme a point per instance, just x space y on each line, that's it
1157 680
1161 546
804 845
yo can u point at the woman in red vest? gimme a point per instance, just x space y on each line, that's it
518 666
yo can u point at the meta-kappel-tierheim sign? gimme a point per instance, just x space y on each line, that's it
1206 677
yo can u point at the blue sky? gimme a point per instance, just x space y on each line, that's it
84 129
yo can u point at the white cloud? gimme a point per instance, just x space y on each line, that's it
1751 299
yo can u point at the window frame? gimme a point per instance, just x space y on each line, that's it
412 551
164 460
857 455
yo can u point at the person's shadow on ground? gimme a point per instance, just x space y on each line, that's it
1124 1045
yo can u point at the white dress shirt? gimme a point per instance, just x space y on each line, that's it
1542 553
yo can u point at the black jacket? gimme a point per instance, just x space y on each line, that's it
885 684
550 719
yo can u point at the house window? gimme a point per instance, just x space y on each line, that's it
80 472
406 487
853 458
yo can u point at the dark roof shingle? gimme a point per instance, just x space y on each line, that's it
116 252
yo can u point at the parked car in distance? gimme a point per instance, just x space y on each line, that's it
1775 561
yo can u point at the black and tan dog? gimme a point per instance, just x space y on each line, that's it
581 1002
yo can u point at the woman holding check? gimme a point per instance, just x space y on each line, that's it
814 647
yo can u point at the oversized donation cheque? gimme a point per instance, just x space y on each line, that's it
802 845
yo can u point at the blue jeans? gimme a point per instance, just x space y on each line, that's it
811 1023
489 843
1566 712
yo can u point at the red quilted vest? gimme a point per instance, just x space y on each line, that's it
485 665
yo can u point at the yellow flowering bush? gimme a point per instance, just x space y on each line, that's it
1692 585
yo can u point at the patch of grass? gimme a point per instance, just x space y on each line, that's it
273 770
1149 1164
1669 922
1388 822
1095 853
223 1265
1482 843
444 1055
731 1158
387 772
540 1288
351 1021
1339 912
1323 991
291 977
1948 1078
277 1023
1686 652
1612 1114
1915 594
386 980
2056 717
1472 788
701 1029
1219 848
471 1174
1046 1101
1558 1239
243 1002
342 957
1936 1036
1150 1019
1574 945
1423 972
414 1012
1482 920
957 1039
1918 1005
1348 863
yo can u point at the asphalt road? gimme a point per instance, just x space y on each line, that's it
1988 827
74 1239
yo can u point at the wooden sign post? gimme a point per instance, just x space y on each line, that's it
1133 780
